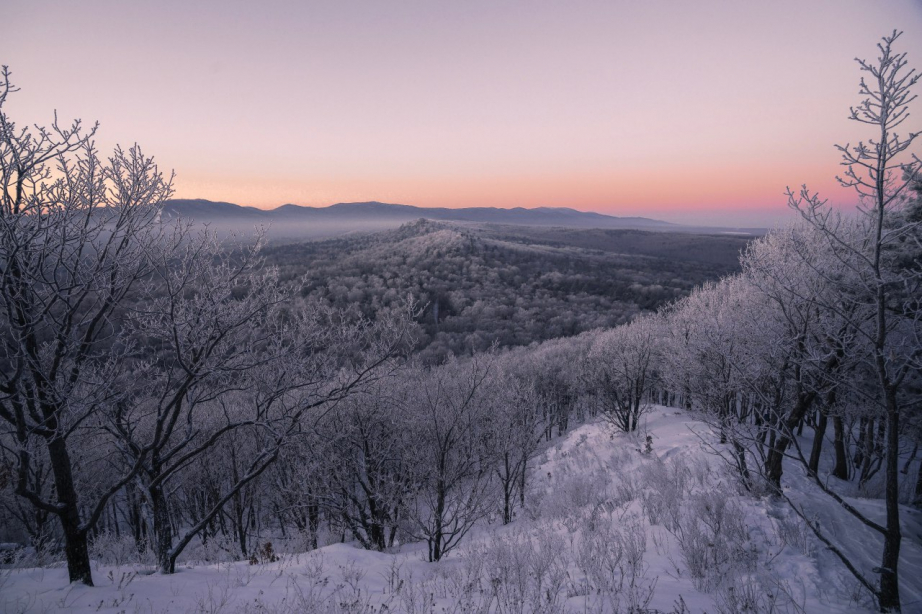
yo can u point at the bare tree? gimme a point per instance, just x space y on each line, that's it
708 359
449 426
620 370
880 300
703 349
234 365
515 433
75 237
554 369
209 332
808 354
298 486
370 469
131 348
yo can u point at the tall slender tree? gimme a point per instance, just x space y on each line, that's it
880 294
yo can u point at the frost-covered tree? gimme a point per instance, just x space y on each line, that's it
619 370
554 367
714 337
208 334
76 236
704 349
516 431
807 353
370 468
450 428
880 297
133 349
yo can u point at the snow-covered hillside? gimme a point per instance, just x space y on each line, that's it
610 526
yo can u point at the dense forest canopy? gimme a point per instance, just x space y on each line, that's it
485 284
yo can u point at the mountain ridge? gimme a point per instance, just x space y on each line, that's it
199 206
343 217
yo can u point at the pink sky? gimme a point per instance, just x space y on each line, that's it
696 112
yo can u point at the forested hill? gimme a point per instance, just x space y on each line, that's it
510 285
297 223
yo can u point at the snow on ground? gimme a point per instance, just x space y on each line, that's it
608 527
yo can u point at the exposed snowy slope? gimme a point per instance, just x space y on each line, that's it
608 527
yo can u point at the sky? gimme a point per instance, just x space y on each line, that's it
692 112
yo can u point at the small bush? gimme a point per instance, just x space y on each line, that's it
107 548
517 572
794 532
263 554
753 595
665 487
610 556
575 492
711 531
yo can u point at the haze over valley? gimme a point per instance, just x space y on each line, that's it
293 222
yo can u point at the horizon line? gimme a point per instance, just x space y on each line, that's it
493 207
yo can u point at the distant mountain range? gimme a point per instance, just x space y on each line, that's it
289 221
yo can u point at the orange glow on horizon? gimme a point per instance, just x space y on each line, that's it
643 193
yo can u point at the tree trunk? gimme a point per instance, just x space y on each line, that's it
240 528
841 469
240 525
391 536
861 443
76 547
377 517
163 530
508 484
136 519
742 465
874 450
435 541
313 521
773 464
522 479
818 435
917 494
889 577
